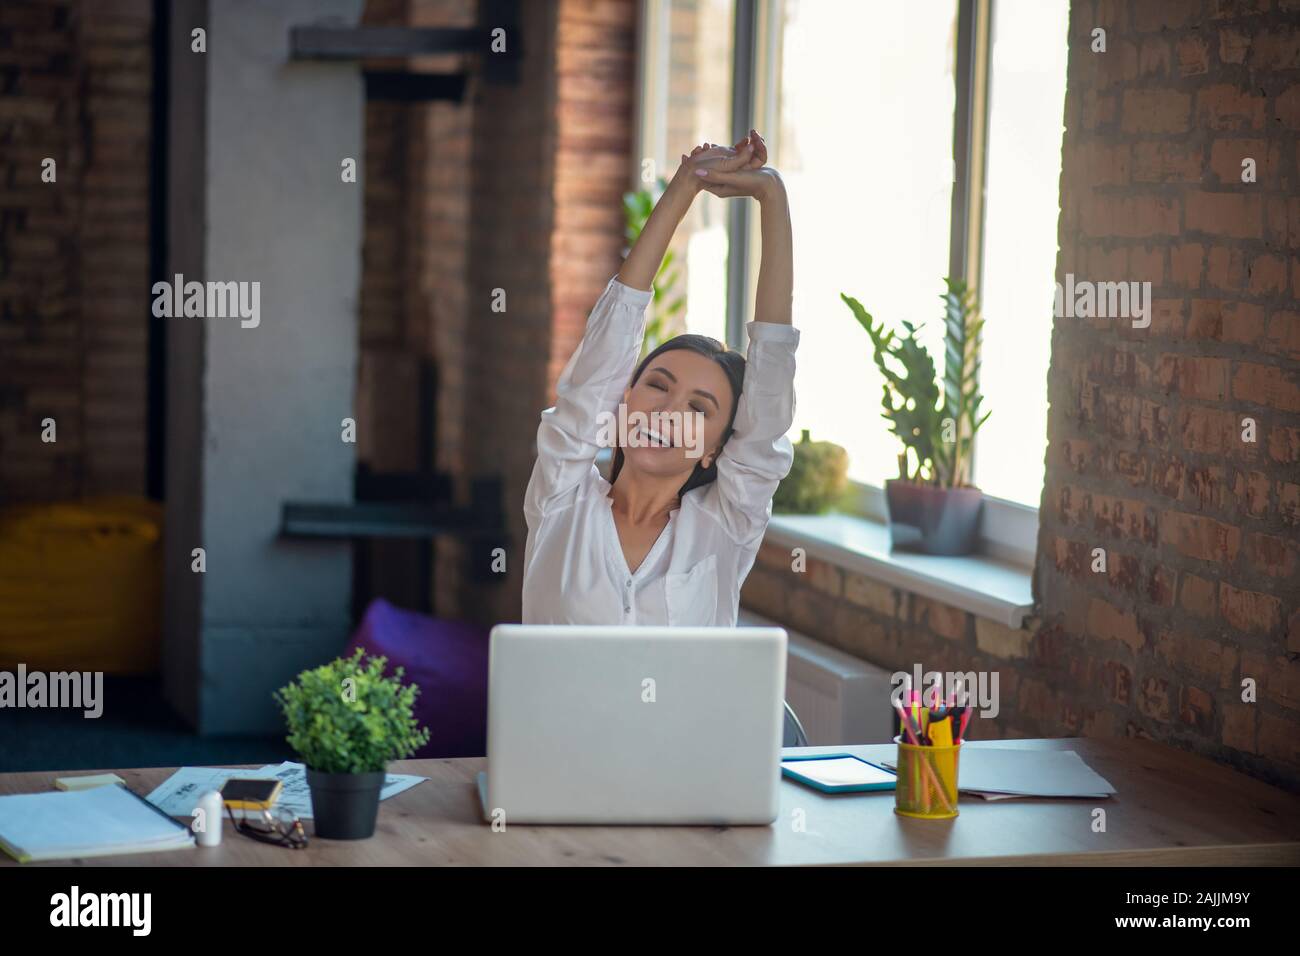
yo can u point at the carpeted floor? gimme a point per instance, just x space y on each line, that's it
140 730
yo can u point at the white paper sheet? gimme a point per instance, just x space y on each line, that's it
178 795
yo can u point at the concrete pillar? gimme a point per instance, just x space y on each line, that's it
255 195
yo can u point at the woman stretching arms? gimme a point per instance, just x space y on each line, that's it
673 534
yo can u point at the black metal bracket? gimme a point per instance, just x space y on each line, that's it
497 41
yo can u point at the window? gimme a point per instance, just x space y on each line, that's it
687 79
870 195
862 103
1026 106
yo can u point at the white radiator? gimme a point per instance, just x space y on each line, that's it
839 698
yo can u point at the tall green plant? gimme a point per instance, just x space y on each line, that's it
667 303
961 395
935 423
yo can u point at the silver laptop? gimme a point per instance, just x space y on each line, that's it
648 725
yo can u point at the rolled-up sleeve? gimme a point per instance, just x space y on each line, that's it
592 382
758 454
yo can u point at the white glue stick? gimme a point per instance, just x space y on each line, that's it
211 807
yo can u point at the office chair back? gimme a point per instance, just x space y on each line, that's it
793 735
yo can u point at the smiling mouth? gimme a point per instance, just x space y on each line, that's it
650 438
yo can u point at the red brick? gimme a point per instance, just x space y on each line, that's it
1287 105
1226 156
1207 430
1288 501
1271 554
1160 111
1283 444
1283 334
1225 321
1201 537
947 622
1250 611
1117 682
1154 699
1268 275
1226 269
1193 377
1266 385
1197 596
1206 488
1225 214
1196 708
1107 622
1252 489
1134 217
1226 107
1275 49
1233 45
1166 161
1186 263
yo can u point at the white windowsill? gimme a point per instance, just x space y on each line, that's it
986 586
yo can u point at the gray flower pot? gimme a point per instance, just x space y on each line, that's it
345 806
933 520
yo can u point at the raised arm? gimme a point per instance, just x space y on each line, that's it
593 380
758 454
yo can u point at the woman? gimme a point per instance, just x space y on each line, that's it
670 538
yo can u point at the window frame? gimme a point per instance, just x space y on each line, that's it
1009 529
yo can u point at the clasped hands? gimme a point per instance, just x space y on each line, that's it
729 171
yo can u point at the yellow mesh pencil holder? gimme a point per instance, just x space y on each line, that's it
927 781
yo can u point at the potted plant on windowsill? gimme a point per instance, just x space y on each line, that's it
346 721
817 479
933 508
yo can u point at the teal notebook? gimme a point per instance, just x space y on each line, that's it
837 773
101 821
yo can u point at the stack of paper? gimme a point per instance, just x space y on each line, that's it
1005 774
1000 774
101 821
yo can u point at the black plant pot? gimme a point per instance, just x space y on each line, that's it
345 806
933 520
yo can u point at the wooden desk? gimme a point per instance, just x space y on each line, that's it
1172 808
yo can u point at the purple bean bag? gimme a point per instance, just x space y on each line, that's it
448 660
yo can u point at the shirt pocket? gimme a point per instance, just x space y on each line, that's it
693 594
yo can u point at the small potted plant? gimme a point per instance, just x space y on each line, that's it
346 721
817 478
933 508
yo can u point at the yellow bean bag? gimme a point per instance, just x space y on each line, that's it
81 585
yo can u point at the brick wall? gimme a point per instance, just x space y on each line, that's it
75 86
517 188
1146 459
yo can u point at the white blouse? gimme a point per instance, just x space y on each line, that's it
574 568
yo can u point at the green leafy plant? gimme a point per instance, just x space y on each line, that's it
667 304
935 422
346 717
817 478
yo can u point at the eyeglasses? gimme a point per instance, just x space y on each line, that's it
277 826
